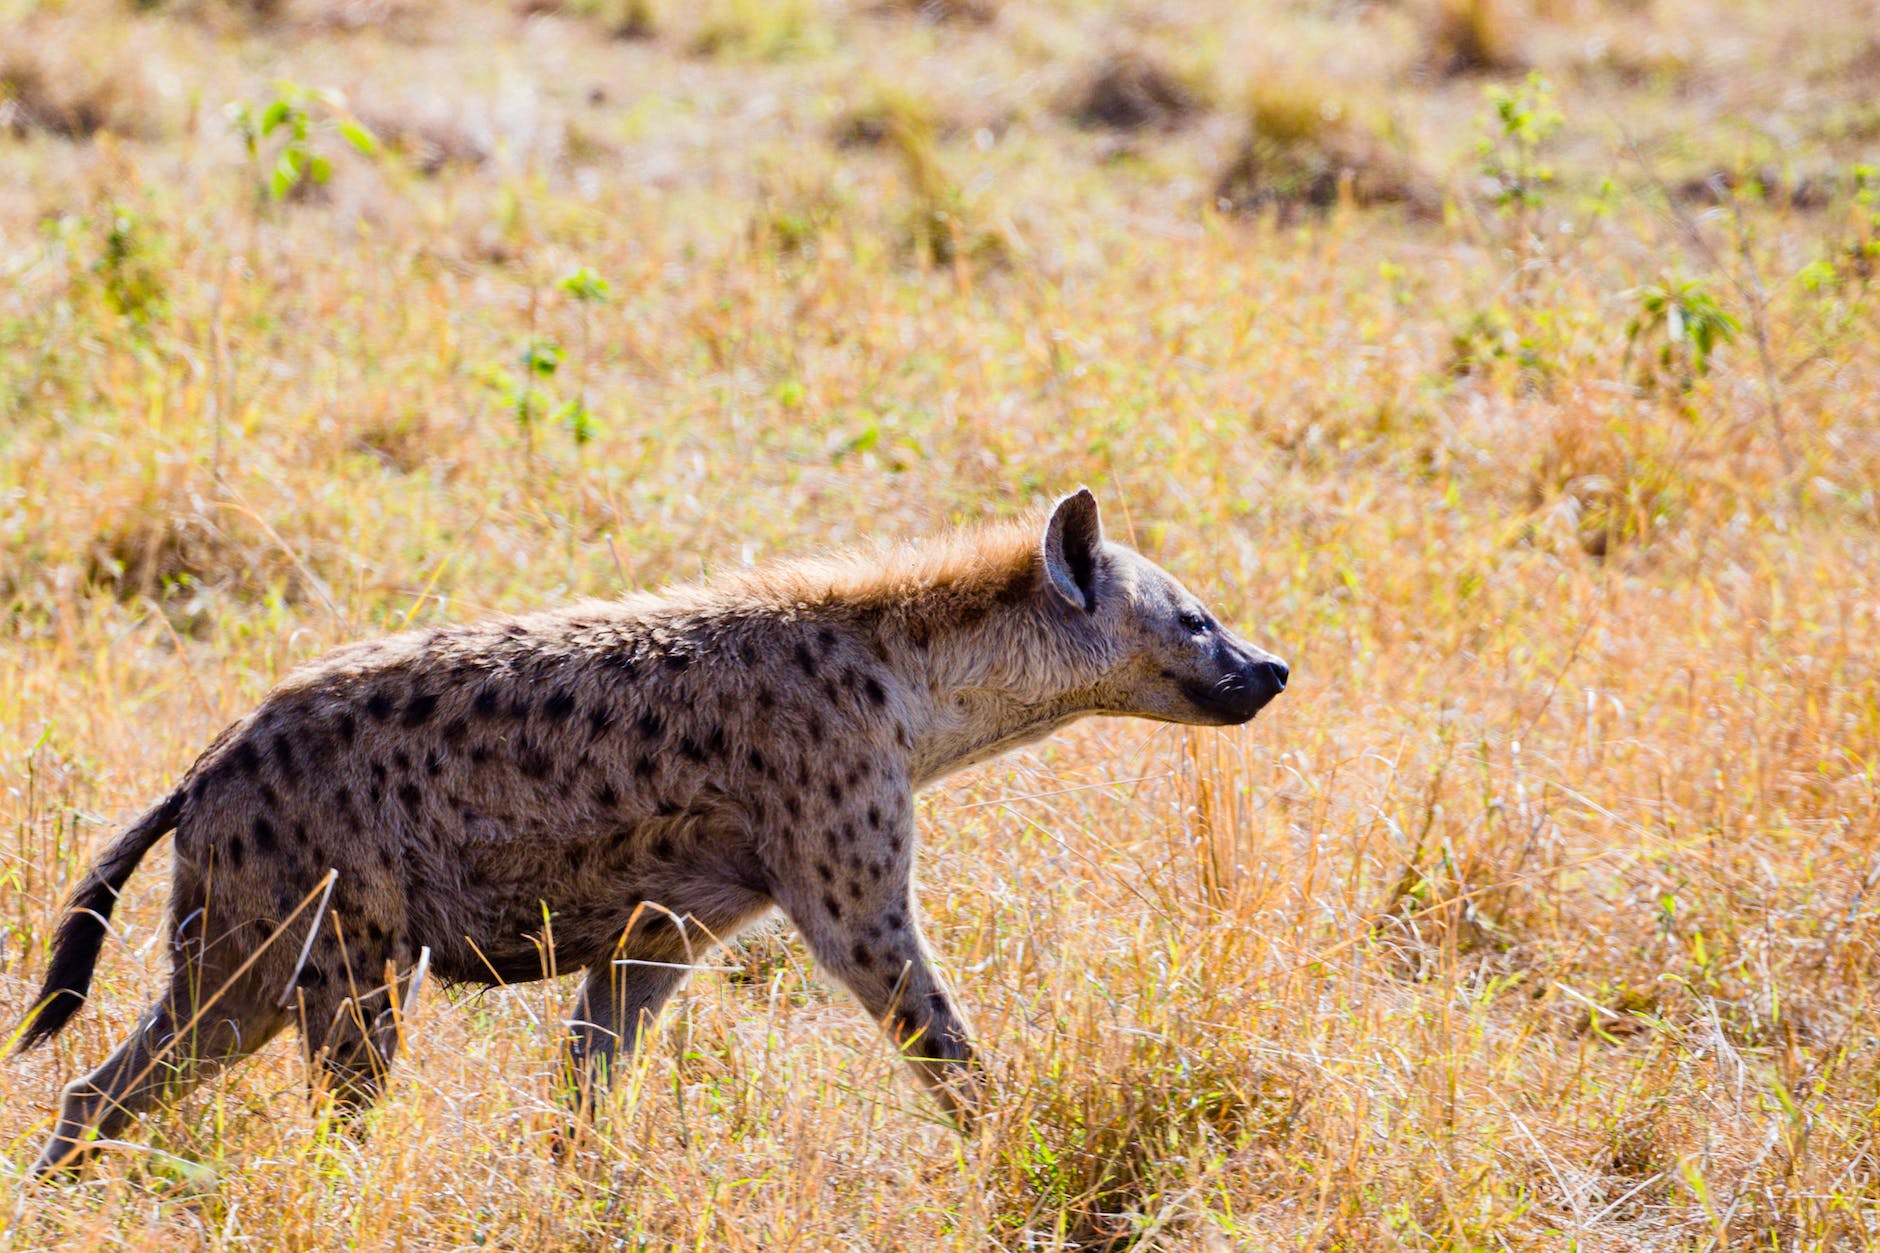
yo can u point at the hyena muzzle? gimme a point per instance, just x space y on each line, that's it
617 787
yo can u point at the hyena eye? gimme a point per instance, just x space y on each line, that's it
1194 623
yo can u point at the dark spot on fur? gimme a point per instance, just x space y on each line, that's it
519 707
872 931
533 761
454 732
690 749
825 872
485 702
871 688
826 637
805 659
620 665
814 725
793 806
853 777
662 848
831 692
651 724
347 726
385 858
897 921
874 872
765 698
861 956
401 760
756 759
902 738
605 796
855 890
379 705
265 839
834 790
479 754
874 816
433 762
310 976
282 749
419 708
245 759
236 850
829 904
559 705
715 742
600 720
920 633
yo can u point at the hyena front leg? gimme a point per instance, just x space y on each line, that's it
852 900
620 1001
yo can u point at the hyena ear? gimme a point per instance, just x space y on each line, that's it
1072 539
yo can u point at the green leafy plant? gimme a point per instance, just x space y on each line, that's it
1516 128
526 391
288 134
586 289
1687 325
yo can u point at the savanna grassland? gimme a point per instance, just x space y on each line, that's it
1535 421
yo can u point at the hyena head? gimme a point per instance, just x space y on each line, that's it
1159 651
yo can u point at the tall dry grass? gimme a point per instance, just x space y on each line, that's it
1540 913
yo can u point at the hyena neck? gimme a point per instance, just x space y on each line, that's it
980 724
985 686
967 627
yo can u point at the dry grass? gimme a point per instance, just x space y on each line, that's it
1133 90
1541 913
1474 37
1310 146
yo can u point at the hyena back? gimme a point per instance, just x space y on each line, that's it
615 788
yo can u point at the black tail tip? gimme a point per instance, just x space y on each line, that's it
54 1010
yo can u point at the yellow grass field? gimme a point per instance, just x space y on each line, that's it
1534 421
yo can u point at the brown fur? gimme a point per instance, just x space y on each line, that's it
613 787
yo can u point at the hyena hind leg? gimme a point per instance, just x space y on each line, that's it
158 1062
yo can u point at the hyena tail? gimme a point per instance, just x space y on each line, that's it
82 929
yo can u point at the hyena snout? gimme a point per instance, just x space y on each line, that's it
1246 681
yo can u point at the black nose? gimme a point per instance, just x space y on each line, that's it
1274 672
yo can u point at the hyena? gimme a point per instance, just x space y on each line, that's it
616 787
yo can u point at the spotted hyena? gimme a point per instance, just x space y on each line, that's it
616 787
